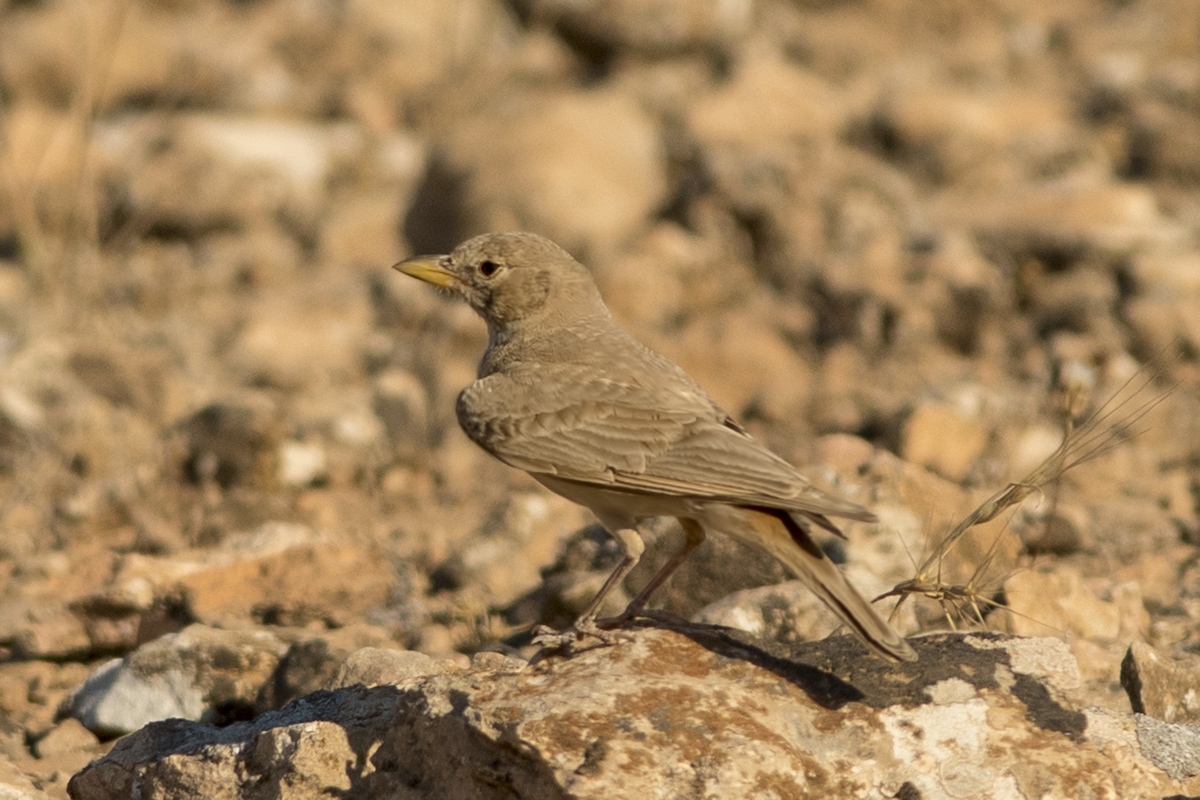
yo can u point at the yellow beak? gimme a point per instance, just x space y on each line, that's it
428 269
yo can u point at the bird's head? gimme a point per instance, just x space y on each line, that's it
511 278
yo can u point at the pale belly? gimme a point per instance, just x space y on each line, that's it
611 505
616 509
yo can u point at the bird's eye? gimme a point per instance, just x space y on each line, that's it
488 268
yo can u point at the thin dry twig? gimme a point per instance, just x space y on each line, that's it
1113 424
52 246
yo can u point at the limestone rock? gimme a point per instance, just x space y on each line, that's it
519 534
649 27
40 627
305 337
1160 686
790 612
939 436
67 737
1072 219
374 666
228 443
689 711
1058 598
956 135
287 574
312 661
15 785
197 672
211 169
583 169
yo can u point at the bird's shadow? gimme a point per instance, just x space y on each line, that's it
823 687
839 670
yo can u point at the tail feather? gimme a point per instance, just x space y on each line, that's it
784 537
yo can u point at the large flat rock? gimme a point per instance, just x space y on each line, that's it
683 712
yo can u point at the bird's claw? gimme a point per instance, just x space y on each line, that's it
569 639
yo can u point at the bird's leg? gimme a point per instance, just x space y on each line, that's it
632 548
695 537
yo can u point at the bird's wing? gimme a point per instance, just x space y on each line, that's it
623 435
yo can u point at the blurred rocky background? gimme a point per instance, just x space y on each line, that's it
910 244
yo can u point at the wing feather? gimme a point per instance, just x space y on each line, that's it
633 437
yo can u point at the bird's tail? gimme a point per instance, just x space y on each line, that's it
784 537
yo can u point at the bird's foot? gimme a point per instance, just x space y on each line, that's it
570 639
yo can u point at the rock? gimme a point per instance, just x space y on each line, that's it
14 441
671 275
1058 531
198 672
211 170
648 27
438 641
769 103
679 711
1164 140
355 423
1159 575
1100 667
364 230
840 400
310 663
279 573
1056 597
939 436
301 464
372 666
790 612
508 558
61 752
843 453
1065 220
16 785
30 693
743 361
1163 312
67 737
1163 687
42 627
401 403
413 55
179 52
542 162
1077 303
1033 446
493 661
977 136
1175 749
305 337
227 443
718 567
122 376
766 140
315 580
43 396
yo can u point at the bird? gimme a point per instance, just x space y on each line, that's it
565 394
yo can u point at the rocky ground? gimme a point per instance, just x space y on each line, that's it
911 245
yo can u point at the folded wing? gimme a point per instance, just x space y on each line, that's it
627 436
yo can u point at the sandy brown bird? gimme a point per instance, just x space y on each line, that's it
595 416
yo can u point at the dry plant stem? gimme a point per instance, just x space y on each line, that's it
1098 434
53 248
